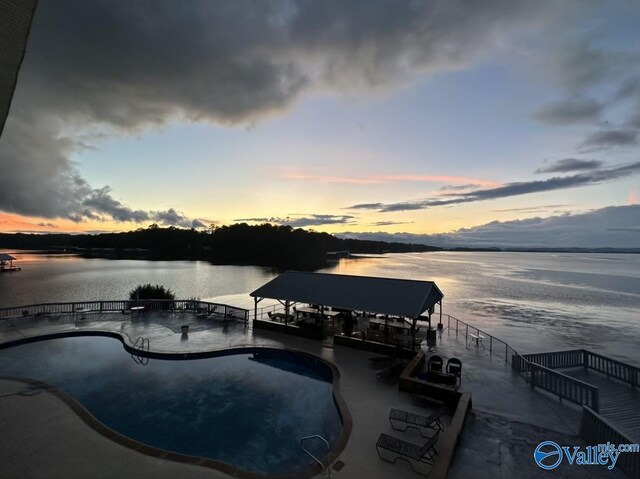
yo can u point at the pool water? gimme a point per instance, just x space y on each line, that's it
247 408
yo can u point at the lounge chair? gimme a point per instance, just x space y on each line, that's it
454 366
401 420
414 454
435 363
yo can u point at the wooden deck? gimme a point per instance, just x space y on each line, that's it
619 402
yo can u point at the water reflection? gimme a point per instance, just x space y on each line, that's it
534 301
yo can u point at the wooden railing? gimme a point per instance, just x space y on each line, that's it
582 357
565 387
113 306
615 369
594 429
561 359
537 371
263 312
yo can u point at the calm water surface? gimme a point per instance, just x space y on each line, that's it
535 301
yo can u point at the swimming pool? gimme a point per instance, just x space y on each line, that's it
246 407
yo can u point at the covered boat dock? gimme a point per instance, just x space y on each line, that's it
6 263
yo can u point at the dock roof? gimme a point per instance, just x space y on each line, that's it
6 257
400 297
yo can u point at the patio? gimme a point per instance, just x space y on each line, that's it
502 402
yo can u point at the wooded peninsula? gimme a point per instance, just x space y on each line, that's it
263 245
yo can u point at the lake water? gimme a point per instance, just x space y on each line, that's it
534 301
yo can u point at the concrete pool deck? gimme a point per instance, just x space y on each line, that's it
43 437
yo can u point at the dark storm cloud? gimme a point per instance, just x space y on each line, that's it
630 88
578 67
102 68
512 189
302 221
610 138
615 226
171 217
629 92
631 229
578 64
569 111
100 202
570 164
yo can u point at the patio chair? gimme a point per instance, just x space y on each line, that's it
402 420
435 363
418 457
454 366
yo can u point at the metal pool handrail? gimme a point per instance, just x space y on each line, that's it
317 436
140 347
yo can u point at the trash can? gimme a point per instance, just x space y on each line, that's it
431 337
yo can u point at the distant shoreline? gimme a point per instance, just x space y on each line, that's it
107 255
546 250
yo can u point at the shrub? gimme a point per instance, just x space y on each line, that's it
149 291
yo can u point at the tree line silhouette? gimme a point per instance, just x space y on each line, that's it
262 245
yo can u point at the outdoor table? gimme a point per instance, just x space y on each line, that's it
137 309
281 318
316 313
478 339
390 323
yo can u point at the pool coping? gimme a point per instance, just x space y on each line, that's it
111 434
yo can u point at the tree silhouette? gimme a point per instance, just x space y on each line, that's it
276 246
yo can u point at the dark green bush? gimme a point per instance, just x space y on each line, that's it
149 291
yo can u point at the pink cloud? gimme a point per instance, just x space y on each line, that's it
379 179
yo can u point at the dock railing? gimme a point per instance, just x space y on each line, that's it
536 369
559 359
123 306
594 429
565 387
582 357
612 368
495 346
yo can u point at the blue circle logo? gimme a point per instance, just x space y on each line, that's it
548 455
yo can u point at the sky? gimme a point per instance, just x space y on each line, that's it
457 122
